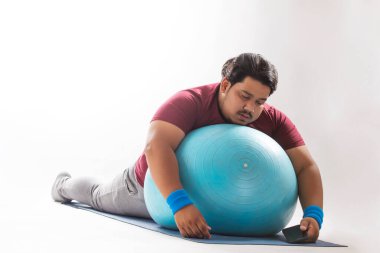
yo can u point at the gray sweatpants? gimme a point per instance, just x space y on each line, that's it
122 195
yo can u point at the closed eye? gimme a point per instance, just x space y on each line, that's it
245 97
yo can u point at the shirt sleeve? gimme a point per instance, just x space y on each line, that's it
286 133
180 110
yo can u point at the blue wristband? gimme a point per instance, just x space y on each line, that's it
177 200
314 212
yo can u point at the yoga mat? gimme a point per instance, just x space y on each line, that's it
278 239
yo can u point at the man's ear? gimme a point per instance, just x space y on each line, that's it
224 85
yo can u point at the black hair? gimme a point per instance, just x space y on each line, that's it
252 65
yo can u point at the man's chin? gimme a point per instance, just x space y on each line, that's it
239 122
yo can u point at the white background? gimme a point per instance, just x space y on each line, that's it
80 80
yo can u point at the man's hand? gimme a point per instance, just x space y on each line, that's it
191 223
310 225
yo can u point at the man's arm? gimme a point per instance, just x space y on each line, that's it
309 186
163 140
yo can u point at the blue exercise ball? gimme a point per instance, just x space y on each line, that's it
239 178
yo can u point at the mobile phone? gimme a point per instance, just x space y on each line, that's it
294 234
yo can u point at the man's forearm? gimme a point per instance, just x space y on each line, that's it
163 167
310 188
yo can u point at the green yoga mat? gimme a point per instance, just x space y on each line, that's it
278 239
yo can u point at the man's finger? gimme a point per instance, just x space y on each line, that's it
204 228
196 232
312 229
310 234
304 225
184 232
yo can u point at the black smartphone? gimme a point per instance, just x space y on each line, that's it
294 234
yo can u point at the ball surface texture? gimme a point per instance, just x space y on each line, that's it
240 179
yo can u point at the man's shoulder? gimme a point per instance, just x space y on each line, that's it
270 109
200 94
203 89
272 114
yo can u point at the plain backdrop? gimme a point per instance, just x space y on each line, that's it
80 81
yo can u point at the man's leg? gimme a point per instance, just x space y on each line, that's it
122 195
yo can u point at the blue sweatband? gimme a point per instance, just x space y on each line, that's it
177 200
314 212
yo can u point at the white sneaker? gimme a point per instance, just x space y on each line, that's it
57 183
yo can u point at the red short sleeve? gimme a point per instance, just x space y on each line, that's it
286 133
180 110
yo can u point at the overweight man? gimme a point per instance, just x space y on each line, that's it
239 98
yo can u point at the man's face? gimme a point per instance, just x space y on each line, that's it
243 102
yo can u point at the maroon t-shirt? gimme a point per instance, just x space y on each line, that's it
197 107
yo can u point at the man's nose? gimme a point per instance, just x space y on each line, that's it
250 108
